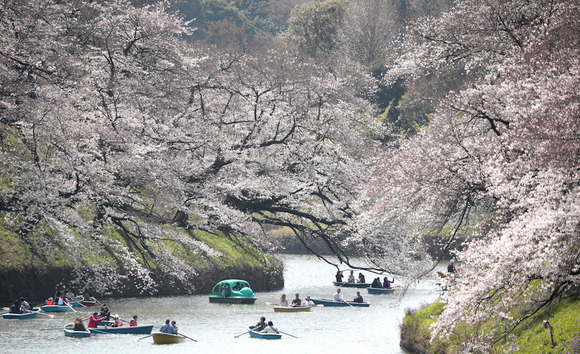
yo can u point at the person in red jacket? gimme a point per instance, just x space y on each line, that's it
133 322
93 320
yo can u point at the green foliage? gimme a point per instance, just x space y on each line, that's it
313 27
530 337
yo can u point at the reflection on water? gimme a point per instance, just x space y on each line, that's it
323 330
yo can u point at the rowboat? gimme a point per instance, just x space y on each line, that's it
255 334
70 332
292 309
144 329
332 303
166 338
22 316
232 291
82 303
351 285
372 290
56 308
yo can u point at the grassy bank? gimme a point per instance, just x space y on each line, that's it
530 337
118 263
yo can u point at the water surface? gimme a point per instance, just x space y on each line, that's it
323 330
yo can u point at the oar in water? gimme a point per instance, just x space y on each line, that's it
69 305
288 334
138 339
241 334
97 331
184 336
320 305
46 314
50 329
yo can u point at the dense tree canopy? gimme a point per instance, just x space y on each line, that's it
108 118
498 163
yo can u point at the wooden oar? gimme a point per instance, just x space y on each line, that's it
320 305
50 329
241 334
101 332
138 339
184 336
69 305
288 334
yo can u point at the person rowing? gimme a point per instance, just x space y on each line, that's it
260 325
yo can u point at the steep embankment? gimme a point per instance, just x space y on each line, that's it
114 263
530 337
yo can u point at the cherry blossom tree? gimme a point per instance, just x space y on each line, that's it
109 119
498 165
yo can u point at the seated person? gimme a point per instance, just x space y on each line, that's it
270 328
361 278
24 306
15 308
79 325
358 297
308 302
296 302
118 321
167 328
260 325
93 320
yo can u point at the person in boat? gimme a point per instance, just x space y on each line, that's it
260 325
57 294
62 300
358 297
174 324
308 302
451 268
376 283
15 308
94 320
339 276
70 295
284 301
167 328
361 278
226 290
351 277
105 312
296 302
24 306
49 301
387 283
270 328
133 322
79 325
338 296
117 321
86 295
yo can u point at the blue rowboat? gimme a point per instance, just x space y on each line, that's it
232 291
332 303
144 329
56 308
254 334
381 290
70 332
351 285
22 316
